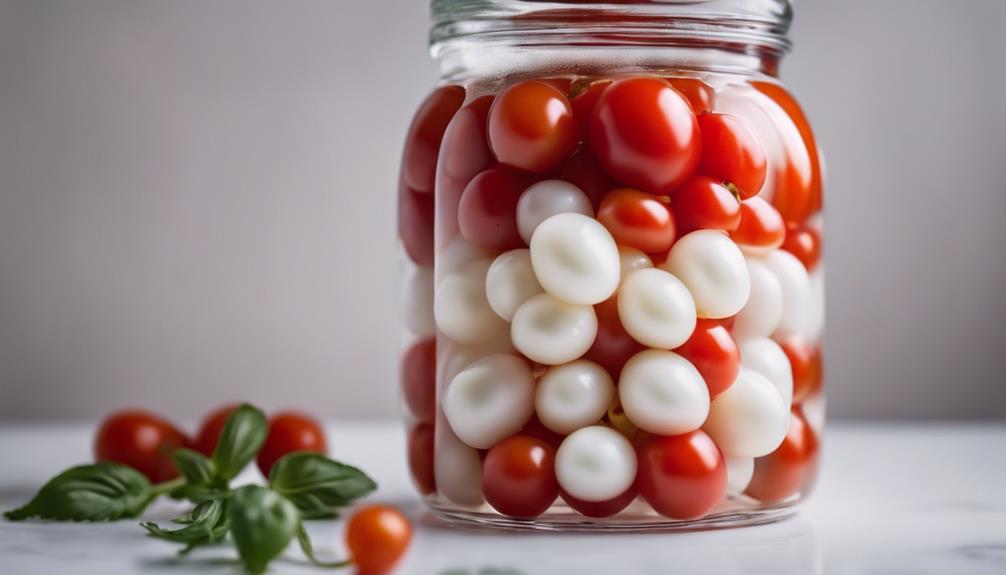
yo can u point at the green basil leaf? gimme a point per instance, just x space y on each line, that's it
99 492
241 438
196 468
308 548
317 485
208 523
263 523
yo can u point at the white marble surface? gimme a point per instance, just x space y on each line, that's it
894 499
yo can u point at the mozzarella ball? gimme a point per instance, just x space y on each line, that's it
457 467
663 393
749 419
551 332
813 326
656 309
713 268
575 259
795 286
417 299
457 254
595 464
761 314
546 199
453 357
814 412
511 282
573 395
461 309
739 473
631 260
490 400
765 356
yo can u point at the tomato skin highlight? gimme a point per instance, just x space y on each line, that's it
377 537
422 142
419 379
638 219
531 127
290 432
518 476
804 242
421 458
761 226
732 153
487 214
142 441
681 476
212 425
600 509
703 203
790 468
713 351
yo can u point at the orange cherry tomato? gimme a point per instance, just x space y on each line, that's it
613 346
761 225
698 93
419 379
732 153
377 537
142 441
518 476
422 142
531 127
681 476
804 242
713 351
637 219
290 432
421 458
487 214
605 508
805 362
703 203
790 468
212 425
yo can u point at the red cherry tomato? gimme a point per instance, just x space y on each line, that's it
703 203
713 351
419 379
612 346
531 127
584 171
377 537
732 153
421 458
464 153
583 103
142 441
805 362
422 143
600 508
415 224
209 430
645 134
487 214
788 469
804 242
290 432
698 93
535 428
518 476
761 225
564 85
681 476
637 219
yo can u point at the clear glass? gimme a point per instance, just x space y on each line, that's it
610 220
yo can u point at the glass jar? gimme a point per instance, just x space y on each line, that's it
610 220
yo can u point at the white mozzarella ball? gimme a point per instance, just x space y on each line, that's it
663 393
765 356
713 268
489 400
457 467
461 309
575 259
813 326
795 286
417 299
546 199
453 357
595 464
814 408
631 260
551 331
739 473
511 282
749 419
656 308
761 314
573 395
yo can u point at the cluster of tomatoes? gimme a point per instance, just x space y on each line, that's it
625 289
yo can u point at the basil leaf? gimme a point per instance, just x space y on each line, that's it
208 523
317 485
262 524
308 549
241 438
100 492
196 468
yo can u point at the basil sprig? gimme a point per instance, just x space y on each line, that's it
263 523
99 492
208 523
317 485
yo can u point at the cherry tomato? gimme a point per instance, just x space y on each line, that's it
289 432
805 362
637 219
612 346
713 351
789 468
531 127
584 171
681 476
421 458
761 225
732 153
583 101
377 536
703 203
464 153
804 242
209 430
518 476
645 134
698 93
564 85
487 214
535 428
142 441
600 508
419 379
422 143
415 224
